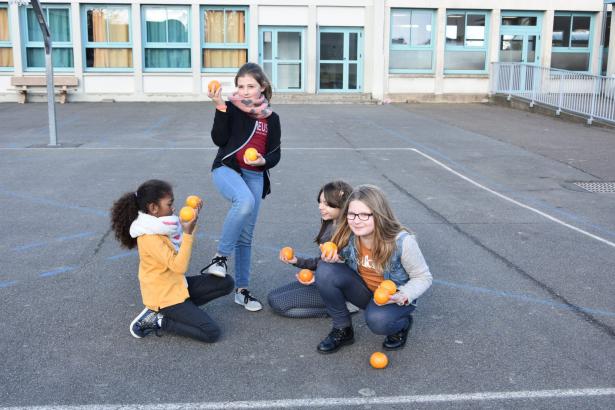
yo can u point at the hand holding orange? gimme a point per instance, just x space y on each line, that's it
193 201
287 252
381 296
187 214
213 86
251 154
329 249
379 360
389 285
305 275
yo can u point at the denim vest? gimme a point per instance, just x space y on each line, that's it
394 269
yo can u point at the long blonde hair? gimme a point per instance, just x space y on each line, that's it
386 225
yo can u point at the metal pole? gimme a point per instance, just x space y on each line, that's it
51 108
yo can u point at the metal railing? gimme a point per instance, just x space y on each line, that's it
590 96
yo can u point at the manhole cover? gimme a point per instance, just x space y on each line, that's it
602 187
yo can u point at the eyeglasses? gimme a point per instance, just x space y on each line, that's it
362 216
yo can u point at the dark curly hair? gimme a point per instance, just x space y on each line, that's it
126 209
336 193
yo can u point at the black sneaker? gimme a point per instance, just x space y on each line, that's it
336 339
145 323
217 267
397 340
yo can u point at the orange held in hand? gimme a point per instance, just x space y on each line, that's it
389 285
187 214
193 201
213 86
378 360
328 248
305 275
288 253
381 296
251 154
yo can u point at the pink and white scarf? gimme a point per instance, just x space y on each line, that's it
258 108
146 224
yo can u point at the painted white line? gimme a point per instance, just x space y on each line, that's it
522 205
345 401
199 149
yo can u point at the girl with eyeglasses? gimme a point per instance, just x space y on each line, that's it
372 247
302 300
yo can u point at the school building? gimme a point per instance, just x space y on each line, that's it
384 49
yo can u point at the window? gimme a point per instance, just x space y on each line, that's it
605 49
58 20
225 44
466 42
571 41
166 37
108 43
412 43
6 50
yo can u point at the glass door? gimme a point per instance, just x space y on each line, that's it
520 43
281 56
340 60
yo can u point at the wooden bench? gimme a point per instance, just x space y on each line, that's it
62 84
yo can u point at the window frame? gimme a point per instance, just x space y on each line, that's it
465 47
409 47
589 49
87 44
219 46
26 43
158 46
8 43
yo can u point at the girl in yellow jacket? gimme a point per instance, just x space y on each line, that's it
145 219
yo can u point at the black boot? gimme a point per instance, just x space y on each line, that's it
397 340
336 339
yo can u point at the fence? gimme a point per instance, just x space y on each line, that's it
583 94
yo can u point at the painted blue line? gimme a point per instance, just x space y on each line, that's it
162 120
518 296
122 255
495 185
7 283
32 245
57 271
49 202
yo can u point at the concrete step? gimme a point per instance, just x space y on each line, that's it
328 98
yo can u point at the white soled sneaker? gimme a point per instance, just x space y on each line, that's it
351 308
217 267
248 301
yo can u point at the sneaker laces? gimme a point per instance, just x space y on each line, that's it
217 260
149 324
247 297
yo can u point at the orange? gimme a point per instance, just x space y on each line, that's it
328 248
381 296
187 214
378 360
288 253
193 201
213 86
305 275
389 285
251 154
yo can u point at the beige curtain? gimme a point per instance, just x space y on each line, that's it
4 25
235 33
6 57
110 57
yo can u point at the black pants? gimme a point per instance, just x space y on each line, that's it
186 319
297 301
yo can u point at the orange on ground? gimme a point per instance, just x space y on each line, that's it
328 248
251 154
305 275
287 252
381 296
186 214
389 285
213 86
378 360
193 201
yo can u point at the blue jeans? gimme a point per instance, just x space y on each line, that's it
244 192
337 283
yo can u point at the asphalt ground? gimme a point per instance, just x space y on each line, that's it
521 313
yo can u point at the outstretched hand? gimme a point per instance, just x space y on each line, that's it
190 226
291 261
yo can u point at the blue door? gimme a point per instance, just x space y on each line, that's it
281 54
520 43
340 59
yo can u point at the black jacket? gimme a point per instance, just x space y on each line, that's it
233 129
